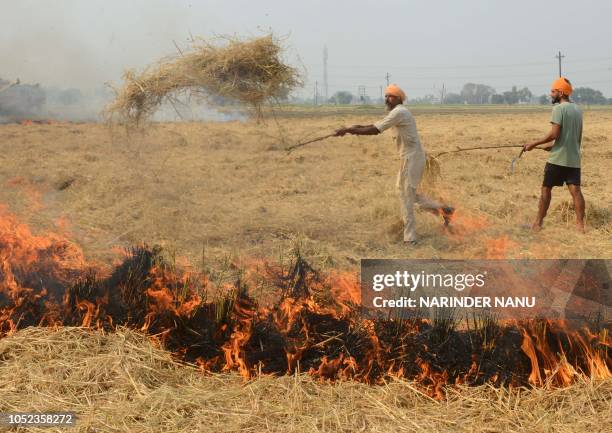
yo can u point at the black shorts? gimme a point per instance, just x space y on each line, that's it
557 175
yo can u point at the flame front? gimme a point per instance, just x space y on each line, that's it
316 326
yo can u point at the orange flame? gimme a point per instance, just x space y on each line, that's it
317 324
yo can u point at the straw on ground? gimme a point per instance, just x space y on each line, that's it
121 382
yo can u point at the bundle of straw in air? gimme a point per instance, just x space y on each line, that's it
249 71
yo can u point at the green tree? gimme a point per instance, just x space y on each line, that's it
341 97
512 96
453 98
497 99
586 95
473 93
525 95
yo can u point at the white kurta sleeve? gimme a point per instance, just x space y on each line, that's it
391 119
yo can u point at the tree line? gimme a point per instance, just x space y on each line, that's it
473 93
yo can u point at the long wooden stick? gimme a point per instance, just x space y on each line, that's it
463 149
295 146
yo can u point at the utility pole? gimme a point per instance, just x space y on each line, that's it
361 91
559 56
325 72
316 93
388 76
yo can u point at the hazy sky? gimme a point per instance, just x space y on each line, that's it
422 45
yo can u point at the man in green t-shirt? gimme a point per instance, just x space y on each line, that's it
563 165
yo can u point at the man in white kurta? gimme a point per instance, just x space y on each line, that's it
412 159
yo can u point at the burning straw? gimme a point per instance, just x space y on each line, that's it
249 71
122 381
316 325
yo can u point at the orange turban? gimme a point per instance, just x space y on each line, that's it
395 91
562 84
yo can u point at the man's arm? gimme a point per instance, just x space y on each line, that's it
358 130
554 133
391 119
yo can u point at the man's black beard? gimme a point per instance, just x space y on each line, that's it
555 100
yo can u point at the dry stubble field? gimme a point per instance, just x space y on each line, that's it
231 190
228 189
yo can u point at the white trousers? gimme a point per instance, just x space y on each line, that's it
408 197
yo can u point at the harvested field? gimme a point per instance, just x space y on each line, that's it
121 382
217 194
228 189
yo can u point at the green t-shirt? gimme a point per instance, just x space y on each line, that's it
566 151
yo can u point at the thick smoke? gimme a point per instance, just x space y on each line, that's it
74 49
20 100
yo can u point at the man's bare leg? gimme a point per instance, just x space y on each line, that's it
579 205
545 197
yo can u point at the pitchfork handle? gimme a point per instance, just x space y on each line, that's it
295 146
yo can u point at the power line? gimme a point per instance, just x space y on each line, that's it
410 77
471 66
500 86
353 83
